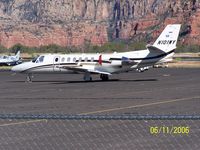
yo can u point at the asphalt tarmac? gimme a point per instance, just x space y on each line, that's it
155 92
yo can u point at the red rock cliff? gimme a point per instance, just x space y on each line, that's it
76 22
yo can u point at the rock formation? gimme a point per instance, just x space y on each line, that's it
76 22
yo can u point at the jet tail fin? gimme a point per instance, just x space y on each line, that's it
168 39
17 56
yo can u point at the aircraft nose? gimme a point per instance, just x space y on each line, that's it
16 68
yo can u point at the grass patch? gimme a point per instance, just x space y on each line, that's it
5 68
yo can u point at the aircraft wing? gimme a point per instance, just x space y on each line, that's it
99 72
85 68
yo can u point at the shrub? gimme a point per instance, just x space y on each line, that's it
137 46
188 49
118 46
53 48
3 49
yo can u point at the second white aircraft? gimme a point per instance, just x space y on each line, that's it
10 60
106 64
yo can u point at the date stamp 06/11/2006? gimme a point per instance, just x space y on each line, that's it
171 130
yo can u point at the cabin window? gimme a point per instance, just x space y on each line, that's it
63 59
68 59
12 58
74 59
86 59
56 59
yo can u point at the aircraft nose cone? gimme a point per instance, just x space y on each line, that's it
16 69
13 69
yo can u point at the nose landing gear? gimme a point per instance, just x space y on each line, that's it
29 78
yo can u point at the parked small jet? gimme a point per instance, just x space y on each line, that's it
106 64
10 60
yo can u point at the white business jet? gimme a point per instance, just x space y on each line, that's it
10 60
106 64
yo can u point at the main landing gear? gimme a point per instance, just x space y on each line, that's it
87 77
104 77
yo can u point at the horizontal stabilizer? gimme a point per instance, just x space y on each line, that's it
155 49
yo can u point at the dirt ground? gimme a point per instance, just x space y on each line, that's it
184 64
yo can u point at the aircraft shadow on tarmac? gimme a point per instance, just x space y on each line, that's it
93 81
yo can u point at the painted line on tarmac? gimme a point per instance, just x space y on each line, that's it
24 122
139 106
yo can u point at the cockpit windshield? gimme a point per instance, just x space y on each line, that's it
5 57
38 59
34 59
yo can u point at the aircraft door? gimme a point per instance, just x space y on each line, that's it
56 64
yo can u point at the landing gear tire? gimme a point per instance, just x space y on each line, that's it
29 78
87 77
104 77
